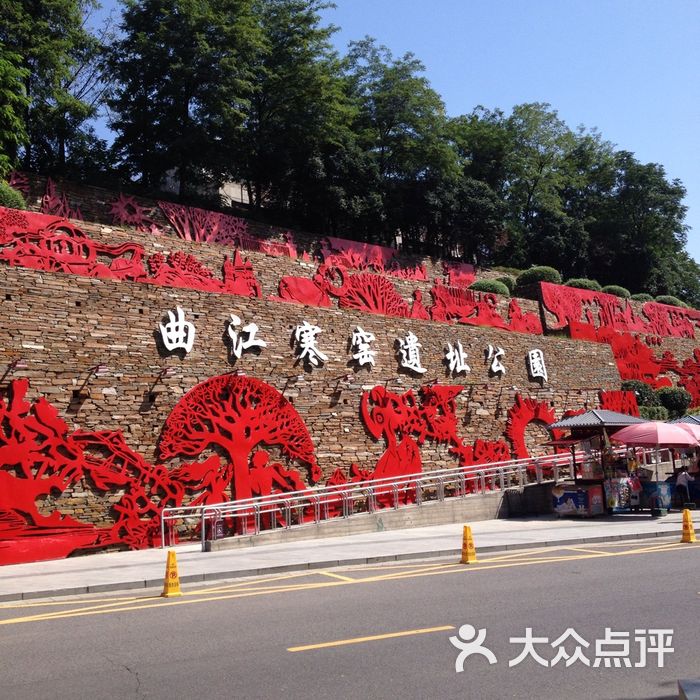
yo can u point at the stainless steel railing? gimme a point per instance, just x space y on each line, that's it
313 505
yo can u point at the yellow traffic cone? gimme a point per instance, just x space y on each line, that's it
171 585
468 548
688 529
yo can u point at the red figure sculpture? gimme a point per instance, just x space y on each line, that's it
301 290
54 204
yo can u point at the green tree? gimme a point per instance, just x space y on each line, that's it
50 39
402 127
291 149
182 73
13 105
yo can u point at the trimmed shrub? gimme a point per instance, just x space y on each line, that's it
670 300
642 297
646 396
541 273
490 286
653 413
616 290
508 281
583 283
10 197
675 399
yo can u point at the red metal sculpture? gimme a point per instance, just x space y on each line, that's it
576 307
20 182
54 204
301 290
459 274
194 224
364 291
46 243
523 413
126 211
619 401
226 421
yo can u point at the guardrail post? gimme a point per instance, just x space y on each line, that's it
538 472
441 489
521 480
419 493
555 473
482 482
203 527
502 478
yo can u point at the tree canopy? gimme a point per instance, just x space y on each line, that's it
358 145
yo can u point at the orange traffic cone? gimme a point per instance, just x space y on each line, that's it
688 529
468 548
171 585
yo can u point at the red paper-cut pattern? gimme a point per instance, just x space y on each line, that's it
479 309
55 204
227 421
20 182
601 311
194 224
619 401
363 291
523 322
301 290
523 412
126 211
46 243
461 275
482 452
355 255
287 249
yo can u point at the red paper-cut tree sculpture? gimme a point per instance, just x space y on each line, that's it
619 401
56 204
364 291
194 224
232 416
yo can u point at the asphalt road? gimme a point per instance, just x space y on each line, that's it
370 632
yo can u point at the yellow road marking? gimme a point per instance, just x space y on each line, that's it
268 590
592 551
337 576
372 638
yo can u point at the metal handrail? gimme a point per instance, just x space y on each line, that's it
409 488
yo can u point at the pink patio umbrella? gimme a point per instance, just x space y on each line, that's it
656 434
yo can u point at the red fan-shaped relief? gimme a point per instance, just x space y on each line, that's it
523 412
364 291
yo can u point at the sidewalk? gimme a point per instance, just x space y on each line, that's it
142 569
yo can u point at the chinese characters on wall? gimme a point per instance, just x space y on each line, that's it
177 333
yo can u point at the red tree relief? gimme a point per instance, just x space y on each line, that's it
619 401
231 416
194 224
364 291
522 413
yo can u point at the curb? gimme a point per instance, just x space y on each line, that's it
310 566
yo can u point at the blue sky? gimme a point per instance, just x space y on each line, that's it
631 68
